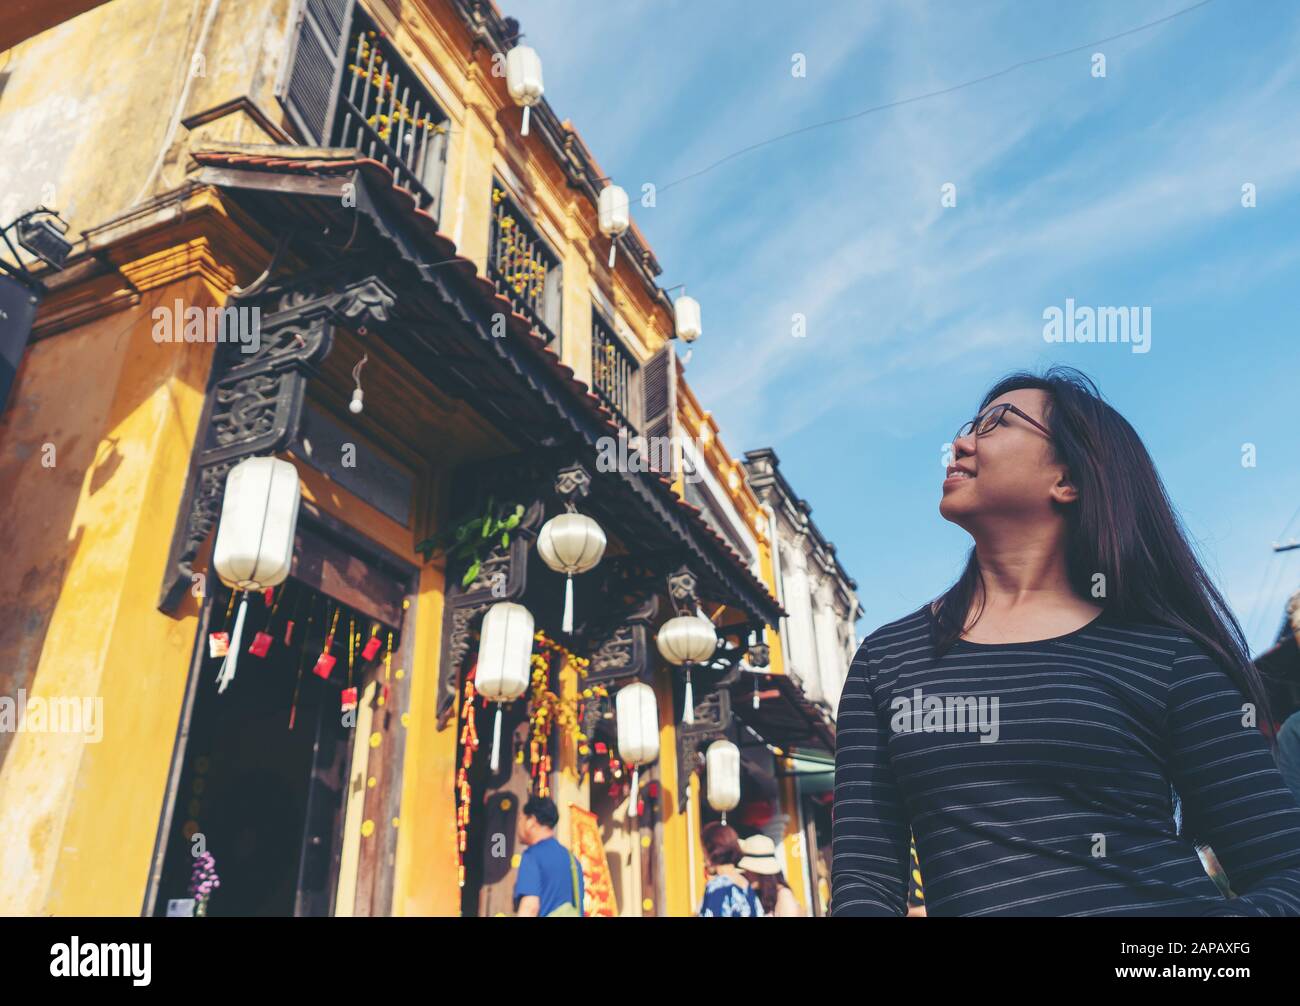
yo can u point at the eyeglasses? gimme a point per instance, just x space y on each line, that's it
992 418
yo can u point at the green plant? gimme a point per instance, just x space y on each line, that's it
474 538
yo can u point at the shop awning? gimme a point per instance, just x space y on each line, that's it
784 717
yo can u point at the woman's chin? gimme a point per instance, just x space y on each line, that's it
953 510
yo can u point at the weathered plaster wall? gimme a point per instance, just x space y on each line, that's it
84 543
89 106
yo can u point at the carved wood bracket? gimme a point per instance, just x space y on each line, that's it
255 397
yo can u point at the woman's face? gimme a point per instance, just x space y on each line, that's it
1008 472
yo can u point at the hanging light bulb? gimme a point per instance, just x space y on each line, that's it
355 406
504 665
686 640
612 211
524 79
570 543
254 545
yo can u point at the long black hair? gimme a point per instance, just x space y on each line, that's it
1122 526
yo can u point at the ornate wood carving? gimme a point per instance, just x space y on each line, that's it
254 399
682 591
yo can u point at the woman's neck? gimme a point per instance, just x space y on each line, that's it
1024 591
1023 568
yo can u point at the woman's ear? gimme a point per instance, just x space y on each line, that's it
1064 490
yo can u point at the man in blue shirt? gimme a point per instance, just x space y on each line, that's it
550 878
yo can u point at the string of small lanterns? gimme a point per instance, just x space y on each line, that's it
526 87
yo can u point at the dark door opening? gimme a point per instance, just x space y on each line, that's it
263 784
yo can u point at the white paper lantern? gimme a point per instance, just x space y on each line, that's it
687 312
524 79
570 543
612 211
685 640
637 711
505 650
722 764
254 546
259 514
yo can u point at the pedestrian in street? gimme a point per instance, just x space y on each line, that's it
550 881
763 871
727 894
1035 724
1288 752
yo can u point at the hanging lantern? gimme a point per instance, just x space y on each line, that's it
611 207
254 546
505 648
637 710
687 312
686 640
524 79
722 764
570 543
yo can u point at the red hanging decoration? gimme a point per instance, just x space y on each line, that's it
260 645
349 699
218 644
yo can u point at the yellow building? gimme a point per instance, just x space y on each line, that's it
277 204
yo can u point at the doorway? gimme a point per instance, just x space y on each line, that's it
263 785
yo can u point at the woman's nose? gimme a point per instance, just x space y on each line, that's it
964 446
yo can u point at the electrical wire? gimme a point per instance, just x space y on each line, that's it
934 94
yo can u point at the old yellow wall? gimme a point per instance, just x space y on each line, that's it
104 133
426 882
792 840
85 544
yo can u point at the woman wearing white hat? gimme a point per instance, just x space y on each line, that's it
760 866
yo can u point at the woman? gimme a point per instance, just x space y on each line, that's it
1035 725
761 869
726 893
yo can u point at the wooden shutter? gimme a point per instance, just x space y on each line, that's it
658 405
552 302
319 48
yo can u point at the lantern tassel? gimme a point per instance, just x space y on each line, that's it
496 741
568 605
524 131
227 674
632 799
688 714
613 247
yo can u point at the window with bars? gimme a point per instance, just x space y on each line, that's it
613 371
386 113
346 87
522 266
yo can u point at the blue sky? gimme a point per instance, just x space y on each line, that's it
1117 191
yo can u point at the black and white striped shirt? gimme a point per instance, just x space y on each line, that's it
1036 778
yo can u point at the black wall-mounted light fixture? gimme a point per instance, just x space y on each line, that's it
40 232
